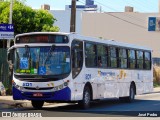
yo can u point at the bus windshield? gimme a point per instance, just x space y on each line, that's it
48 60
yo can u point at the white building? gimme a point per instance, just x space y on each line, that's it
63 16
63 20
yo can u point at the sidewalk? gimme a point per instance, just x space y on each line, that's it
157 89
8 102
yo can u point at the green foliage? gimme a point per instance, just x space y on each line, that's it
25 19
156 76
156 84
48 28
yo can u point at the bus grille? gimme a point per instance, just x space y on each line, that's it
31 88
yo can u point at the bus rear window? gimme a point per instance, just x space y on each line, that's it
42 38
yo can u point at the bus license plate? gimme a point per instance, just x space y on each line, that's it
37 95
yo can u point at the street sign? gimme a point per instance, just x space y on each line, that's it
6 31
154 24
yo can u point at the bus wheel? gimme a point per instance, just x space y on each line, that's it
37 104
131 96
85 103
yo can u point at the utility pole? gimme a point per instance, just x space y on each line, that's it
73 16
10 20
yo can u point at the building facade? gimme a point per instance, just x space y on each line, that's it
128 26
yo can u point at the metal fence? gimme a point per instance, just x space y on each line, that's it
4 71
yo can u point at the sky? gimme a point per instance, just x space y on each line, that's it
106 5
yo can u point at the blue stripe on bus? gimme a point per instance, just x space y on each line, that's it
62 95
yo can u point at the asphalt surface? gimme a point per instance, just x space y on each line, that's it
146 105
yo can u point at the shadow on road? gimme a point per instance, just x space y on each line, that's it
111 107
103 108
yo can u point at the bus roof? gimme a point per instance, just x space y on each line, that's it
35 33
91 39
111 42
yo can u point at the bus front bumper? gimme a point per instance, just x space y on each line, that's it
61 95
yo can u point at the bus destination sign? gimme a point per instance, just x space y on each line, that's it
42 38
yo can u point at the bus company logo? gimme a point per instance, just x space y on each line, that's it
122 74
100 73
17 114
37 87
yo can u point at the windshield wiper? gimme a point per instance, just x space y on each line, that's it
51 49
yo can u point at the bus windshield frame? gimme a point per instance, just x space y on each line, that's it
46 61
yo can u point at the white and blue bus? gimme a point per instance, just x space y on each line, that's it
67 67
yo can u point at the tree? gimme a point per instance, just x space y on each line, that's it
25 19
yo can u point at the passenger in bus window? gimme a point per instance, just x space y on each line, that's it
99 61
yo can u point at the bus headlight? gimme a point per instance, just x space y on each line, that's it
17 86
66 84
20 88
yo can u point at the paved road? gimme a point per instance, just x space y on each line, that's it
144 105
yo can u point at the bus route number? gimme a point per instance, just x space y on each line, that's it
88 76
27 84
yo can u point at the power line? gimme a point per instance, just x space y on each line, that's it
125 20
120 17
125 14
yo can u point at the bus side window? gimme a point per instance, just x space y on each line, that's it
102 55
113 57
132 59
77 57
91 55
122 54
147 60
140 62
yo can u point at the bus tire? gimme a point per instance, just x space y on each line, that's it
131 96
85 103
37 104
